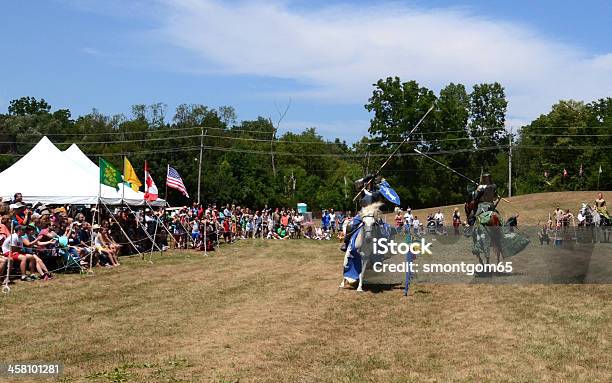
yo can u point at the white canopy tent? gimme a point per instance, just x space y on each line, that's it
125 193
53 177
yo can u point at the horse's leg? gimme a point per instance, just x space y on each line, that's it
346 256
364 263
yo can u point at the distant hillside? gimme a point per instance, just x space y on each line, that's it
532 208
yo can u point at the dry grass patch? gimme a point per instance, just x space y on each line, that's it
271 311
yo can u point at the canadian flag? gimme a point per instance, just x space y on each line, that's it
150 188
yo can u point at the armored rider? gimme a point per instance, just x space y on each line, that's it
369 189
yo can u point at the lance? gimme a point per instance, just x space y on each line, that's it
456 172
445 166
395 151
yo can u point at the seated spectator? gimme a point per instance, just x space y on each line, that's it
439 218
309 233
12 248
29 240
104 246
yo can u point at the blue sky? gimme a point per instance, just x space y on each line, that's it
324 56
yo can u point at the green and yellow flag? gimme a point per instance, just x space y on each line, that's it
109 175
129 176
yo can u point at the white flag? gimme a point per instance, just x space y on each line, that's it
600 171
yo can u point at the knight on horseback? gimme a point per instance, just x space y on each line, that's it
486 221
369 193
365 227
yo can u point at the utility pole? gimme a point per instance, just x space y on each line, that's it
272 148
200 167
510 164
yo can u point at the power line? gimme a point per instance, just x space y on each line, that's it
298 142
234 138
147 131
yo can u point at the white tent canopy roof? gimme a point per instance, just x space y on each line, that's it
51 176
127 194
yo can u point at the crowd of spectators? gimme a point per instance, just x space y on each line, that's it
410 223
205 227
38 240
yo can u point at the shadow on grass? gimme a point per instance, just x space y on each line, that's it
381 288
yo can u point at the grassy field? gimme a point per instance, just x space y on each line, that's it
271 311
533 208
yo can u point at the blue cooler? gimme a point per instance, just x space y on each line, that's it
302 208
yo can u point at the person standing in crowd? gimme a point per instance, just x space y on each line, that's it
332 221
195 231
558 217
325 219
600 206
270 224
416 225
276 217
284 219
399 220
257 222
456 220
227 230
408 218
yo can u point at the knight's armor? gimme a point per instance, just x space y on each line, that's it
484 216
369 188
481 199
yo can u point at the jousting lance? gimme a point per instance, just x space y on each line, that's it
456 172
445 166
394 152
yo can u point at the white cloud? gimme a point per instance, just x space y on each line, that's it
339 51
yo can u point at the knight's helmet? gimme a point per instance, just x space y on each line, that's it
485 179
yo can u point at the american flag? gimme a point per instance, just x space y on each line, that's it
174 181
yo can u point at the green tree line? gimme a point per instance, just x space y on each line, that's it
247 162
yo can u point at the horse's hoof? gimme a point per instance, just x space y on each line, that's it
360 290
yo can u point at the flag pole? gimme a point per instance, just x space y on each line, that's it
123 184
167 171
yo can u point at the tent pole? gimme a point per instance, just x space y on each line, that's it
5 285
